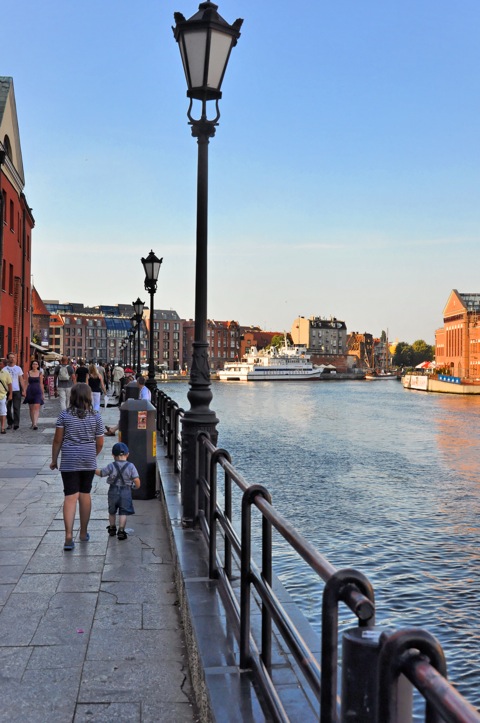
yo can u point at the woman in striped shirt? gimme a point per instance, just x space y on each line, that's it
79 435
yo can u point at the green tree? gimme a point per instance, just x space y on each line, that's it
279 340
403 356
422 352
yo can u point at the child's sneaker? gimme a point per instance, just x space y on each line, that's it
112 530
121 535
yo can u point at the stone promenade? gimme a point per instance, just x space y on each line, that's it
89 635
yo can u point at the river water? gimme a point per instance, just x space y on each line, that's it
378 478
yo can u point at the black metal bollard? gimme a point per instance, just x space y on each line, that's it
138 430
359 698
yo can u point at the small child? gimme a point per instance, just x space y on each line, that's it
121 476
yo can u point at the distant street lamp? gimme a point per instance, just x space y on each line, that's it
151 266
138 307
205 42
133 321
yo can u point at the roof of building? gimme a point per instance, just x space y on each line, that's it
5 85
38 306
471 301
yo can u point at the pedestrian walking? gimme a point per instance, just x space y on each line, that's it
64 378
18 391
118 375
34 396
5 393
81 372
79 437
95 382
121 475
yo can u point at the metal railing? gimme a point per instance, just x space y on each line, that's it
404 655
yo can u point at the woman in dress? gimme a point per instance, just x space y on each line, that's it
35 392
79 435
95 382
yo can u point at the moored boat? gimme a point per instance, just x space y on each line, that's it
285 364
440 383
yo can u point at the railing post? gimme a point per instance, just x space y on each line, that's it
245 569
334 591
395 650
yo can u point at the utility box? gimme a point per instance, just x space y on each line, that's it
132 391
138 429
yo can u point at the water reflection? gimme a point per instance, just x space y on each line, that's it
377 478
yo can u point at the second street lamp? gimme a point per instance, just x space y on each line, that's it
151 266
205 42
138 308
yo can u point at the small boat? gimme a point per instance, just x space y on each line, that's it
440 383
285 364
373 376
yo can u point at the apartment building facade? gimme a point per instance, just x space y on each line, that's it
16 225
457 342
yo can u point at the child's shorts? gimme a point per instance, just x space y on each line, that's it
120 499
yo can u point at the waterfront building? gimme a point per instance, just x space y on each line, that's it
360 348
253 336
320 335
16 225
168 339
223 339
457 342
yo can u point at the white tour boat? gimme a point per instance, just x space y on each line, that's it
272 365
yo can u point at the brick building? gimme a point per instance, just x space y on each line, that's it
457 342
168 339
223 338
16 224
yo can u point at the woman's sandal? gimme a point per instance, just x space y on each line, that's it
86 538
68 546
109 432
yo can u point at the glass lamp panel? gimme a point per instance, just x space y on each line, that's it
195 48
220 46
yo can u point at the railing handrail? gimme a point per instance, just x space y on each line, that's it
415 653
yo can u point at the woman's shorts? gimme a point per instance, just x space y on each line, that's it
120 498
3 407
78 481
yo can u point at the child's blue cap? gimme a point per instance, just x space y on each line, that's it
119 448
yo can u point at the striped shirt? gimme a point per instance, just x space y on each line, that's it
79 440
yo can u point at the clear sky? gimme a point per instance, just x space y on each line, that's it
344 175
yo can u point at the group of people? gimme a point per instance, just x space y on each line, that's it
79 435
78 439
14 388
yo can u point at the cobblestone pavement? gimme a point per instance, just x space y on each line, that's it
88 635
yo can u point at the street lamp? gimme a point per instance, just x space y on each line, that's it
151 267
133 321
205 42
138 308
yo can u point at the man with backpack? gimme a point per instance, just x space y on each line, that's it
64 381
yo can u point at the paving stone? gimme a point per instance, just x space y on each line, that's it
108 712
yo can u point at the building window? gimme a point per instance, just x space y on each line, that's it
4 275
12 216
10 280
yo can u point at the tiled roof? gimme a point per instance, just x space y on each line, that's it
39 307
5 84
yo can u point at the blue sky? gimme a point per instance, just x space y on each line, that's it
344 175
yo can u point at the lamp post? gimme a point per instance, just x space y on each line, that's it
133 321
138 308
205 42
151 266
